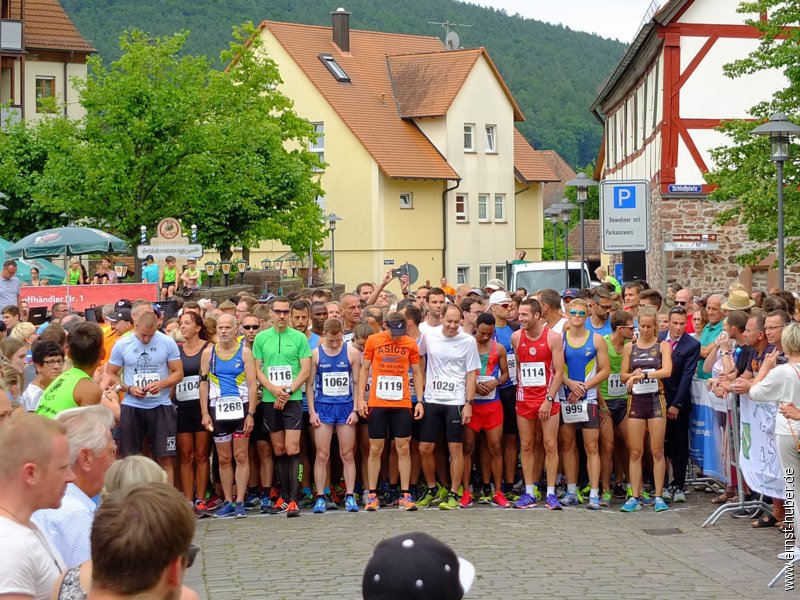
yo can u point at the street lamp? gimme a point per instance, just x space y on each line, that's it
331 219
779 129
565 207
552 214
211 267
225 267
241 266
266 264
582 183
294 263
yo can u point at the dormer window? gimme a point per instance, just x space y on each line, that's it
332 66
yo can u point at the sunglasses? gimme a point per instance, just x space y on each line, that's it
250 327
506 306
190 555
281 312
681 302
577 313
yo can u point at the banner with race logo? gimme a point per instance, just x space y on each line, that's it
708 433
758 453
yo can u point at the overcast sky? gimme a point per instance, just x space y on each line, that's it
617 19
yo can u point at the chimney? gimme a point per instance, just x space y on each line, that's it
341 29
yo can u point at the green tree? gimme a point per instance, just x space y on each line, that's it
165 134
745 176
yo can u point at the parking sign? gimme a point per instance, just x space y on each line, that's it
625 216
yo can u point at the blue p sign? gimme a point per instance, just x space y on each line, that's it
625 196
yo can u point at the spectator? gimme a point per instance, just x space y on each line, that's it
710 332
9 284
75 274
33 474
48 360
91 452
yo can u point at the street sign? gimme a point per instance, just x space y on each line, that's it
625 216
177 250
694 237
388 261
676 246
678 188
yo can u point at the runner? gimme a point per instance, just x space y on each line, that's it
334 373
283 361
471 308
487 414
600 307
319 314
540 369
228 400
351 314
550 301
586 359
451 373
168 278
391 353
645 363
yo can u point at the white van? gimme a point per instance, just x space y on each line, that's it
536 276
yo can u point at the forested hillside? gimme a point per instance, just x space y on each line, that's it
554 72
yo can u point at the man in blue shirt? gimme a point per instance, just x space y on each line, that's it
601 307
710 332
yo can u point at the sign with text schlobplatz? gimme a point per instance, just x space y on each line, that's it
625 216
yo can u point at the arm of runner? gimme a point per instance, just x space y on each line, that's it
312 413
503 359
265 382
87 392
558 362
666 363
302 376
419 386
252 387
363 376
466 413
625 374
514 345
354 356
205 360
174 378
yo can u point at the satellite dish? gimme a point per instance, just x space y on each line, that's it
451 40
411 271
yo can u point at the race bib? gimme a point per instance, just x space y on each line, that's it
142 380
188 389
336 384
280 376
532 374
646 386
512 367
491 395
616 388
575 413
229 408
444 388
389 387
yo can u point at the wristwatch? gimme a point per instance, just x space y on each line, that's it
288 389
470 402
251 414
550 399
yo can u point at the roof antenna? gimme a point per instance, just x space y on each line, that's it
451 40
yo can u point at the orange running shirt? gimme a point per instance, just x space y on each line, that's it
391 358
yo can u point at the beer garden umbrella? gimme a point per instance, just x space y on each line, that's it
70 241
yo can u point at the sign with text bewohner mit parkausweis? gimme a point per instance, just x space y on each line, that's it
625 216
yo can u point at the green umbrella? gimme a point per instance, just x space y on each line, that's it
71 241
47 270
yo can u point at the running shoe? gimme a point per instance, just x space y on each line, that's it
466 499
372 503
537 493
201 508
292 510
678 495
440 495
594 503
225 511
252 501
406 502
667 492
329 503
605 498
241 511
525 501
631 505
552 502
619 492
306 500
660 505
350 504
581 496
266 505
647 499
319 506
213 503
426 499
390 497
570 500
512 496
486 496
449 503
499 500
279 506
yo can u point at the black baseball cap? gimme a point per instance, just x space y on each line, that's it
123 314
123 303
397 328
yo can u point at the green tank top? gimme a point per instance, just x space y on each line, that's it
613 383
169 274
58 396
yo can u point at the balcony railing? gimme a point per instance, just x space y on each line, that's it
10 35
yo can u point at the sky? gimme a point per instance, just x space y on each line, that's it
616 19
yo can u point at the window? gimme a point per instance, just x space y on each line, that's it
318 145
462 207
45 88
500 272
462 276
469 137
491 138
485 275
499 207
407 200
483 208
332 66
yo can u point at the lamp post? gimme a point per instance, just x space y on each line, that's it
552 215
331 219
278 264
265 264
565 208
121 270
779 129
293 264
211 266
225 267
582 183
241 266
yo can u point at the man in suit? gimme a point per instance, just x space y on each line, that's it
677 388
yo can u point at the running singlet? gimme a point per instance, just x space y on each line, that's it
189 389
226 377
280 355
604 330
647 359
58 396
503 335
333 384
580 365
535 363
390 357
613 388
490 370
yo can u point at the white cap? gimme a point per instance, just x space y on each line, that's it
499 297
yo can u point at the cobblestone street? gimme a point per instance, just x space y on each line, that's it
517 553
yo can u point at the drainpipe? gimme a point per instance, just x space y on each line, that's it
444 224
508 266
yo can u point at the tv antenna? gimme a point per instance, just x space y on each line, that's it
451 40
